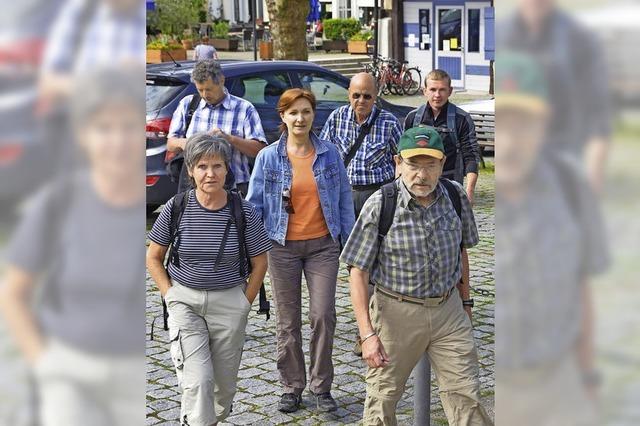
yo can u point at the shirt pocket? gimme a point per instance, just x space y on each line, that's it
332 176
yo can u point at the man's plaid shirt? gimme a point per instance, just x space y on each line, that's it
234 116
420 256
373 163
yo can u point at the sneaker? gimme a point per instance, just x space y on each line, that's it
325 402
289 403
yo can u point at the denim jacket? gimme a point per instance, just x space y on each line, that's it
272 174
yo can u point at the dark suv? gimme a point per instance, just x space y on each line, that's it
261 83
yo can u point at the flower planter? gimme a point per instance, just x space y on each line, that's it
328 45
187 44
266 50
155 56
229 44
359 46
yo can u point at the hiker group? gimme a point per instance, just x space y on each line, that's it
384 198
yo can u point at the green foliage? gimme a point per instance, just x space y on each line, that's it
174 16
362 36
341 29
163 42
220 30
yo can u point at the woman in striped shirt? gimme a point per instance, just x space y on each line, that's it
207 288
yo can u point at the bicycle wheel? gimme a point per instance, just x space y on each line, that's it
411 81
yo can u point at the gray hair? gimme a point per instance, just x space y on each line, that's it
206 69
204 145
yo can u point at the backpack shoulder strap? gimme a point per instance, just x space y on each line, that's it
417 119
387 209
239 219
193 104
177 210
454 195
451 122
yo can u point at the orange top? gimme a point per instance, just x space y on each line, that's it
307 221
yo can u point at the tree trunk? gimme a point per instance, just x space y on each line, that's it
288 25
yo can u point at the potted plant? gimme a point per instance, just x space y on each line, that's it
164 49
358 42
187 43
220 37
337 32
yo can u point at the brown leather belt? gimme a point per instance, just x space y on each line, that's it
427 301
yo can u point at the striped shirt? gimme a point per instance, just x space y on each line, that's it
373 162
234 116
201 232
85 35
420 256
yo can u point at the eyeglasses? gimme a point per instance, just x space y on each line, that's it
286 197
430 168
365 96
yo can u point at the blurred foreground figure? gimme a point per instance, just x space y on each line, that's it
72 294
548 242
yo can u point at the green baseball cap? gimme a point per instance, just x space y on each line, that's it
520 83
421 140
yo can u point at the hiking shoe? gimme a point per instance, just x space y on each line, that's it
289 403
325 402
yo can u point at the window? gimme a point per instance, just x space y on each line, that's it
329 92
262 90
473 33
425 30
449 30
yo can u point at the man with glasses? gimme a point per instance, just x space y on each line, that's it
455 125
418 305
367 138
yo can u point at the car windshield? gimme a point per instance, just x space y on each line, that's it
161 91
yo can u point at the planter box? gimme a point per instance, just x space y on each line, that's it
357 46
266 49
328 45
230 44
155 56
187 44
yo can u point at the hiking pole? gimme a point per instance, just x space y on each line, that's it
422 392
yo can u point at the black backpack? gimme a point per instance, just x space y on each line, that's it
390 200
236 217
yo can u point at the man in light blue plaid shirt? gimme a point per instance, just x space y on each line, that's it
419 302
219 113
372 166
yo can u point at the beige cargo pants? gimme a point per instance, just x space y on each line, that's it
207 330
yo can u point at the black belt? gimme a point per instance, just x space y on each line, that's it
370 187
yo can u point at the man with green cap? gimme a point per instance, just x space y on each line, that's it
415 266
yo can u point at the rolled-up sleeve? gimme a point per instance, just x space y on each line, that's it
177 128
253 126
470 236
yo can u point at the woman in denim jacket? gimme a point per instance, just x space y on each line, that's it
300 187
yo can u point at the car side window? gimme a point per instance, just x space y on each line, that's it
329 91
261 90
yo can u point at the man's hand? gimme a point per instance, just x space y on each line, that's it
470 194
217 132
373 353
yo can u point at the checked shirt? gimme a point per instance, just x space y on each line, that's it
420 256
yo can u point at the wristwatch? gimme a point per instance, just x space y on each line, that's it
468 303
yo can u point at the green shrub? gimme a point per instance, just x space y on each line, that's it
341 29
220 29
362 36
163 42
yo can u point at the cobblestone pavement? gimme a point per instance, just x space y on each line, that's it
258 389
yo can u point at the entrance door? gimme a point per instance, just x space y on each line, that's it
450 37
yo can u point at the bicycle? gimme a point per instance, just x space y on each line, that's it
394 77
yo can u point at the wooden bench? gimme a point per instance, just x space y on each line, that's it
485 131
